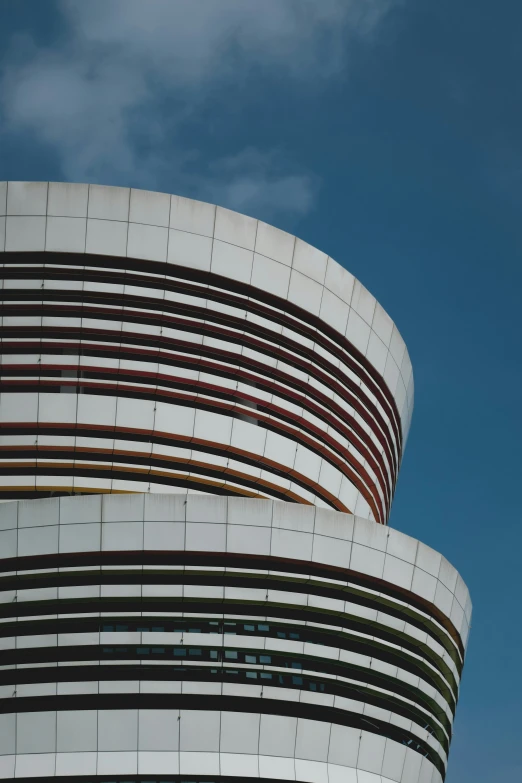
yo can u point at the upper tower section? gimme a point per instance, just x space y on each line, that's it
151 342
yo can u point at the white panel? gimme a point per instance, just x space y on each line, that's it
311 771
367 561
165 508
76 763
397 347
344 745
122 536
448 575
339 281
106 237
239 765
148 242
376 353
35 513
166 536
248 437
358 331
270 276
57 408
371 752
201 537
428 559
401 545
372 535
37 541
334 311
108 203
411 769
287 543
80 538
212 427
199 730
393 761
277 768
398 572
291 516
158 730
117 763
248 540
363 302
8 515
2 234
312 740
274 243
310 261
382 324
239 732
194 216
36 732
189 250
66 234
235 228
305 292
277 735
35 765
175 419
3 197
149 207
7 734
443 599
199 763
334 524
206 508
338 774
67 200
158 763
84 508
243 511
424 584
26 198
117 730
392 375
131 412
331 551
96 410
25 234
77 731
231 261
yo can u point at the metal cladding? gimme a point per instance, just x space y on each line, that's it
171 371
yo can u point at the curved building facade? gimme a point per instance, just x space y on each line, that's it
202 420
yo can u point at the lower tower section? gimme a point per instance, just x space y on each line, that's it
187 637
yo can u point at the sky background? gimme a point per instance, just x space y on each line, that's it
389 134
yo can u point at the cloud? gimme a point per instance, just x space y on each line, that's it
115 95
251 182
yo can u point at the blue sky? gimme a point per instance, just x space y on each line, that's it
389 134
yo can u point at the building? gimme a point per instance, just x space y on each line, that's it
202 421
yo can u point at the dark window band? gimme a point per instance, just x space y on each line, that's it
209 703
224 659
174 276
269 629
348 590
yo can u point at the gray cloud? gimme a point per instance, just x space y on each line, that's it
96 96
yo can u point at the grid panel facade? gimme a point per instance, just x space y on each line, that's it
170 372
150 341
178 634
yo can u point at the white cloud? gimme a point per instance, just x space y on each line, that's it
251 182
113 97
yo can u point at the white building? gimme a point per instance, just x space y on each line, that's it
202 420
